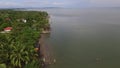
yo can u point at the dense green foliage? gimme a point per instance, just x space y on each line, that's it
17 46
2 66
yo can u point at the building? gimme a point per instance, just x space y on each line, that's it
7 29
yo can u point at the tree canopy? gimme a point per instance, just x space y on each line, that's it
17 46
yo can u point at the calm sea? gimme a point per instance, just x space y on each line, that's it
85 38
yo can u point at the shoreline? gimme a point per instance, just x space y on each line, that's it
45 52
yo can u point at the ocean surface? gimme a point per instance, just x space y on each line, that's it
85 38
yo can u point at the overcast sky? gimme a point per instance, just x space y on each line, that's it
59 3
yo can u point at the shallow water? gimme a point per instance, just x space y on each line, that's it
85 38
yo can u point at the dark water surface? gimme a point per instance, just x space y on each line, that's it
85 38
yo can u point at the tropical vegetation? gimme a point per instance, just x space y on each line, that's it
17 46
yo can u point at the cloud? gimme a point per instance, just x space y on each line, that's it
36 2
29 3
58 3
9 4
105 1
43 3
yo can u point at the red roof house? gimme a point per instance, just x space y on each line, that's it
8 29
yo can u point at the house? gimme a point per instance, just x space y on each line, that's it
7 29
24 20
